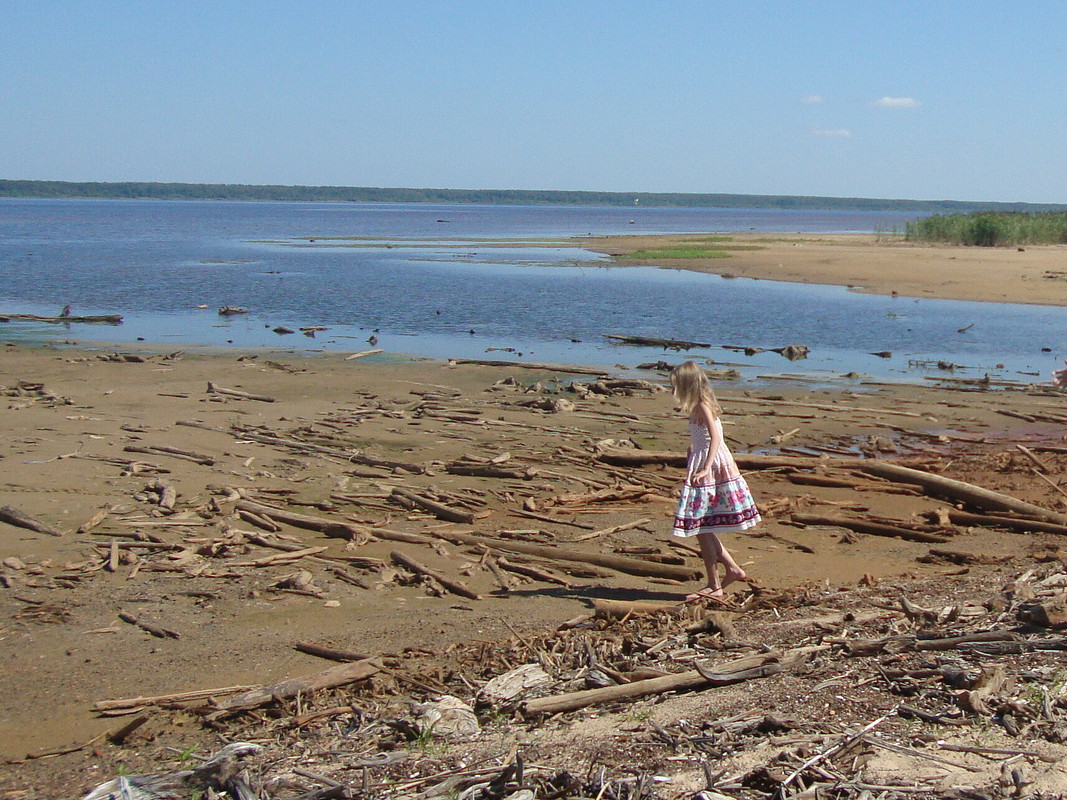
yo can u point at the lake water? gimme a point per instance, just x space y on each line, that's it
465 281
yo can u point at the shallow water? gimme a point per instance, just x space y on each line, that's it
452 281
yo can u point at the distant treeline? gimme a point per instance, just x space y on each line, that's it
986 229
363 194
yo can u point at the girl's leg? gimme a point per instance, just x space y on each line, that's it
713 552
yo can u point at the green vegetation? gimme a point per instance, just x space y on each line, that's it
365 194
986 229
677 251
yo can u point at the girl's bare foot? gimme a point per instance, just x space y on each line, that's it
707 593
733 575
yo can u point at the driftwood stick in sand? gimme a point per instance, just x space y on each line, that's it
453 586
616 529
874 528
331 653
1041 465
170 451
340 530
212 388
363 354
12 516
340 675
630 566
439 510
94 520
721 675
522 512
165 699
531 572
155 630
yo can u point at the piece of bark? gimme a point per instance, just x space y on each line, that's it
439 510
453 586
339 675
1051 613
94 520
213 389
20 519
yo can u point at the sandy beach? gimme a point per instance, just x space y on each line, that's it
881 264
153 571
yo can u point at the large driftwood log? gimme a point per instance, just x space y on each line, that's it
213 389
12 516
340 675
720 675
105 319
647 341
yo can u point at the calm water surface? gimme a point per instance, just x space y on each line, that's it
463 281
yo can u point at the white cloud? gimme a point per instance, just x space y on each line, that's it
832 133
811 100
897 102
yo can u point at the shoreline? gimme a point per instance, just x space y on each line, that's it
872 263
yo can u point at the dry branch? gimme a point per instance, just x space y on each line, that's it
453 586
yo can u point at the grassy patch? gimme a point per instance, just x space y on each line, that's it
985 229
679 251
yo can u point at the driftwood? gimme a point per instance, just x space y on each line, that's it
437 509
453 586
104 319
339 675
957 517
864 526
630 566
567 369
622 609
213 389
330 653
532 572
734 671
666 344
155 630
934 485
12 516
339 530
157 450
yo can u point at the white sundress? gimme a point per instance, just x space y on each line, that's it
723 504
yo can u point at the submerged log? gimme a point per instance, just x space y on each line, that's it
666 344
102 319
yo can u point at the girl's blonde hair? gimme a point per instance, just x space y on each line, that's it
691 388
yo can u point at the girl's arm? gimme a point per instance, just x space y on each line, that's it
706 417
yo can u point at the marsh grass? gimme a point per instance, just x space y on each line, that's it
715 246
986 229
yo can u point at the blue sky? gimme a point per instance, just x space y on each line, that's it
905 99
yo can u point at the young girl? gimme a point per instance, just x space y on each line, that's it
715 498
